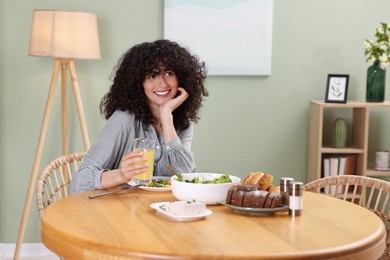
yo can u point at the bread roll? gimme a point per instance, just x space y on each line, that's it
265 181
247 178
253 178
261 179
257 178
252 197
272 188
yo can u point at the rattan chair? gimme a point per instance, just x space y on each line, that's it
54 181
370 193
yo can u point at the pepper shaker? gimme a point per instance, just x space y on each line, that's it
295 198
284 187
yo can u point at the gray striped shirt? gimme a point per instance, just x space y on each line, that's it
116 140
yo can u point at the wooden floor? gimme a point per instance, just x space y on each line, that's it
29 251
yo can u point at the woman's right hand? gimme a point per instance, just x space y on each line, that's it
132 164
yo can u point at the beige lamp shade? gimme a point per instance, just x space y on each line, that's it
62 34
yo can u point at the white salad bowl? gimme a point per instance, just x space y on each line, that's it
209 193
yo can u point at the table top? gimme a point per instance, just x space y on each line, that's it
124 226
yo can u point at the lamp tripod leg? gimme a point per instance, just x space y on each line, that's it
64 109
38 155
79 104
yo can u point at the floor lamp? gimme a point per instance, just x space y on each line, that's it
64 36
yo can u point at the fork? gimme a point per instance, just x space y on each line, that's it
173 171
128 187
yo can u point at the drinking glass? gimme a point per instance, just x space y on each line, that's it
147 147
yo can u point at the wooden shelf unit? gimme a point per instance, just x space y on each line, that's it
359 141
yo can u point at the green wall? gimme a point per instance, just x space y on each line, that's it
248 123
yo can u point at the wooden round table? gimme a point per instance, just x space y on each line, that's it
124 226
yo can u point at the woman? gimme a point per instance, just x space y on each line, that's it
157 92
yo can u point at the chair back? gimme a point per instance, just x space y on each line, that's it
54 180
370 193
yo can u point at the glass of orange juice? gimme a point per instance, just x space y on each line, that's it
147 147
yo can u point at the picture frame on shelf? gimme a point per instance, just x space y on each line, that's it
337 88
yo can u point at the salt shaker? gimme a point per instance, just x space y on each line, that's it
284 182
295 198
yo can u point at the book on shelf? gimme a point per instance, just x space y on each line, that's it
338 165
331 165
347 164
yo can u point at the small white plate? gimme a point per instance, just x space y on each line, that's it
157 207
155 188
133 183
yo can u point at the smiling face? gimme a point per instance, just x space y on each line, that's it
160 86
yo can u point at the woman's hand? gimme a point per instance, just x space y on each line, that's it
132 164
174 103
166 115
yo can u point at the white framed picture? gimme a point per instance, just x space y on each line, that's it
233 37
337 88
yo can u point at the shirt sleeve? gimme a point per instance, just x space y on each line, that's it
106 153
116 139
177 154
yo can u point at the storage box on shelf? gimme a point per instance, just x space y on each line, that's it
318 149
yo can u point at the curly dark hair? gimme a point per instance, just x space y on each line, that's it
127 91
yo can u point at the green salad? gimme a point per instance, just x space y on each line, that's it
159 183
225 178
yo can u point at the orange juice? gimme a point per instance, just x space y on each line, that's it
147 176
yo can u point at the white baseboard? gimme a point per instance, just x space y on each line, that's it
27 250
